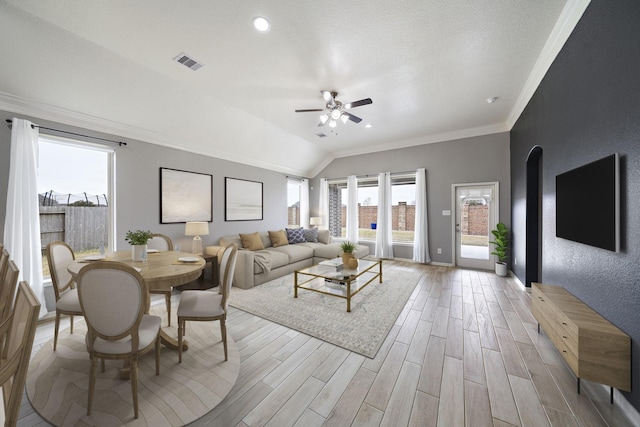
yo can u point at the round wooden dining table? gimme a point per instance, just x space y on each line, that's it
162 270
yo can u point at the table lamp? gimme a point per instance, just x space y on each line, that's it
196 229
315 221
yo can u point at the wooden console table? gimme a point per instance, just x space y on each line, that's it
592 346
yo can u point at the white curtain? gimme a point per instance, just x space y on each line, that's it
22 221
352 208
421 236
304 203
323 203
384 245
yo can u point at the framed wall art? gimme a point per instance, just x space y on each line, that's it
242 200
185 196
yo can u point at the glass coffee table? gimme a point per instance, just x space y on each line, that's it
342 284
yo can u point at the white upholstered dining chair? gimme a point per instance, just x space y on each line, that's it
162 243
206 305
17 333
114 298
59 256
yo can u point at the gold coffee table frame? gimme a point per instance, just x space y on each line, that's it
355 280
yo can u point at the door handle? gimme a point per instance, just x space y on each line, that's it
458 228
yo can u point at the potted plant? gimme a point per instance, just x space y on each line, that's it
347 254
501 242
138 240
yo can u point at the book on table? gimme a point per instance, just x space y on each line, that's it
335 263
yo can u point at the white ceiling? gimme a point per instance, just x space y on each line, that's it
428 65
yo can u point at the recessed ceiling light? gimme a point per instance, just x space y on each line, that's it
368 125
492 100
261 24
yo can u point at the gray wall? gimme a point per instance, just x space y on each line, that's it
137 187
587 107
468 160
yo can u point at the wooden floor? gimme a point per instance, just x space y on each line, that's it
465 351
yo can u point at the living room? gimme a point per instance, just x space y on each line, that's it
585 108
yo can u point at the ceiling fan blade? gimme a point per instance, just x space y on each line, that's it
354 104
309 111
326 94
353 118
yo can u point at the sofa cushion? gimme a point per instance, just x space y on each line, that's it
295 235
278 238
328 251
252 242
310 235
295 253
272 258
324 236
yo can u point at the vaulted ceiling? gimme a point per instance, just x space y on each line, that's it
428 65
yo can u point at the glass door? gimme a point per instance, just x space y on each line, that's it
475 217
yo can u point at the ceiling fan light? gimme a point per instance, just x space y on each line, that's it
261 24
335 114
344 118
324 118
332 124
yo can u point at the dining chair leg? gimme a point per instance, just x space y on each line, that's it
134 385
71 324
158 355
223 331
92 382
167 298
180 330
55 331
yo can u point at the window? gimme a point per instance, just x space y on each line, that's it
74 183
294 191
403 199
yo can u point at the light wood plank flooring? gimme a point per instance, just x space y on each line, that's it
465 351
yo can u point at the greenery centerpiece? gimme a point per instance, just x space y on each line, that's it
138 240
347 254
501 246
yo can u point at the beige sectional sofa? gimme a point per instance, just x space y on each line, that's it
255 267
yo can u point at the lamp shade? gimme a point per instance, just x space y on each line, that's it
196 229
315 220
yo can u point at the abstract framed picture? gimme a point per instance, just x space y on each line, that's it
185 196
242 200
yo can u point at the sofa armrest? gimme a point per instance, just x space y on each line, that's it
243 276
215 250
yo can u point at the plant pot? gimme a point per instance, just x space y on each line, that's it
501 269
353 263
345 259
136 252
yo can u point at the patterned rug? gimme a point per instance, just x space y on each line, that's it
373 311
57 382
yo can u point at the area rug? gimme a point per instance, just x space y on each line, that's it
373 311
57 382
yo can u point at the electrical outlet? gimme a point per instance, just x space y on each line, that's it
439 250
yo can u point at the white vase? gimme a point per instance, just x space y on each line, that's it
136 252
501 269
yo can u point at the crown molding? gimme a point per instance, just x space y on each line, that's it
567 21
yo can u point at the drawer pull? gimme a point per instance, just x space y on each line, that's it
564 337
564 323
564 351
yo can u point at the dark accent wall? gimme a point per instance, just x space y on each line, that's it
587 107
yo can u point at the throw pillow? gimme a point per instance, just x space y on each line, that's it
310 235
295 235
253 242
278 238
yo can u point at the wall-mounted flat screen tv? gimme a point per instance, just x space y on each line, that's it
588 204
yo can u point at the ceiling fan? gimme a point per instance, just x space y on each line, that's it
334 110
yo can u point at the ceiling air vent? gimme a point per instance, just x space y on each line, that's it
321 135
188 62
